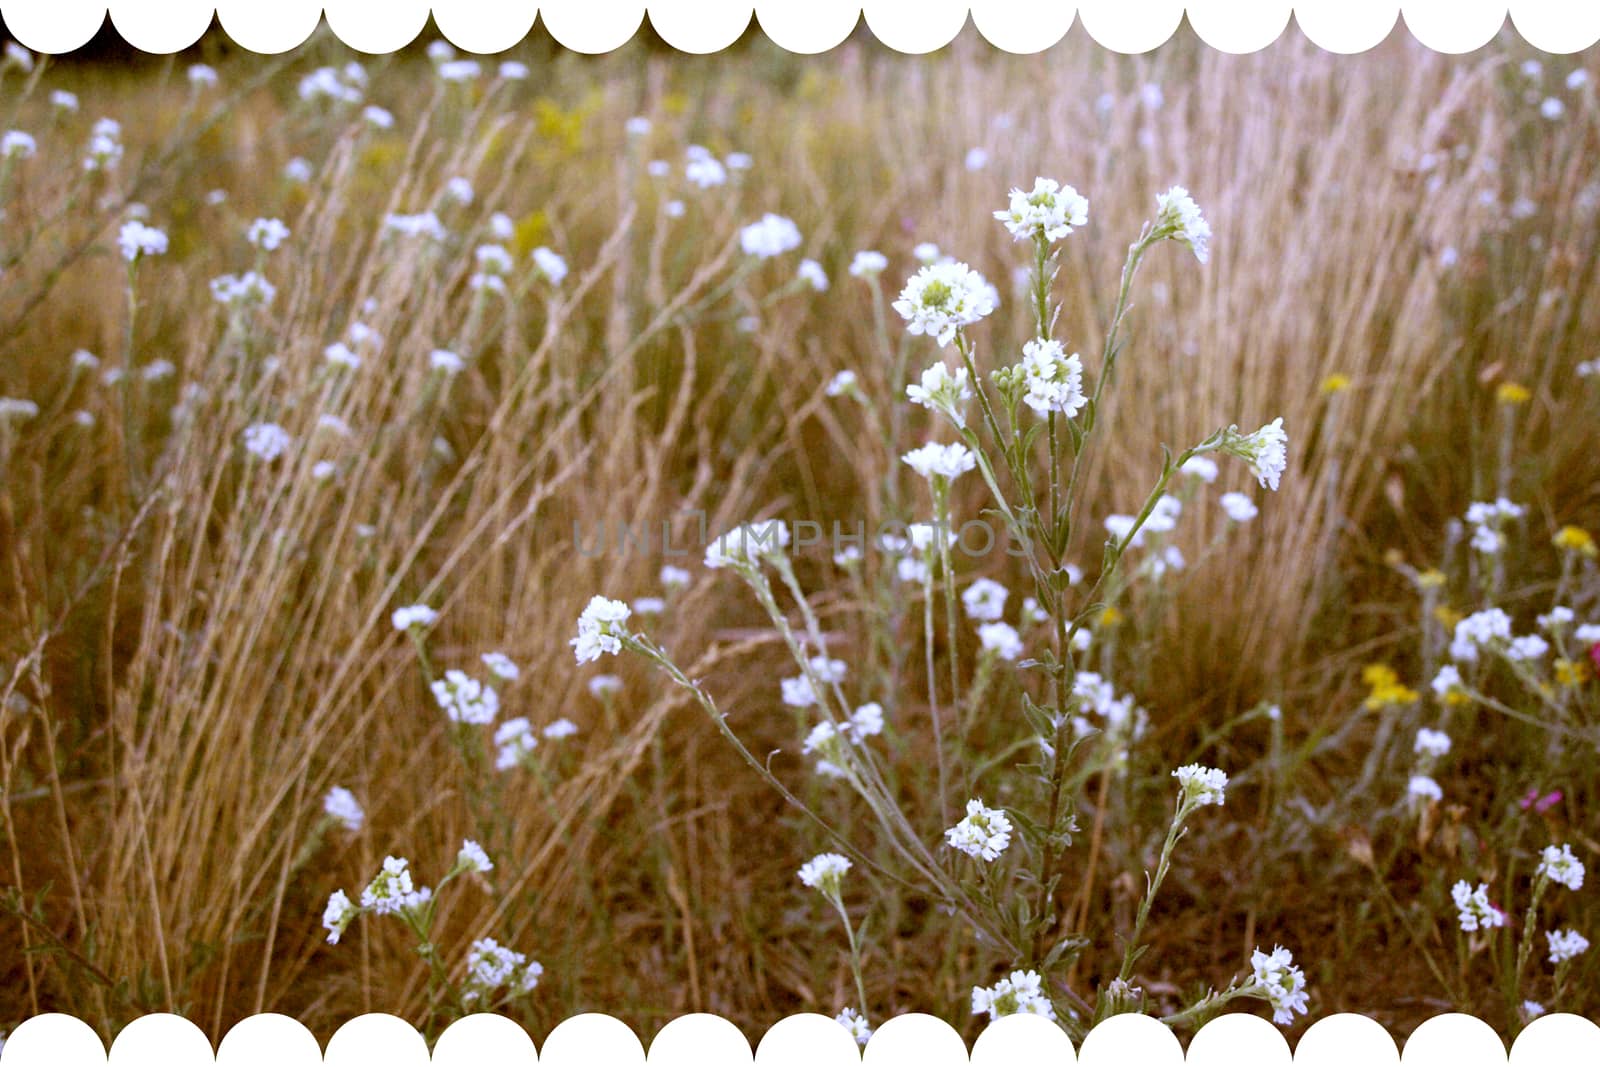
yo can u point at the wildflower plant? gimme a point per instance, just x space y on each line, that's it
1001 869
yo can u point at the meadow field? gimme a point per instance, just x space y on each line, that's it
336 388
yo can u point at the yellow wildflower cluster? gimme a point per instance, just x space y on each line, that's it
1572 672
1575 539
1387 691
1511 393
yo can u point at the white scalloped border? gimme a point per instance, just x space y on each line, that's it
809 26
801 1041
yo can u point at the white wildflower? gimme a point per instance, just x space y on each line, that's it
1435 743
940 299
514 741
1558 864
1201 785
1474 912
464 699
1049 212
337 915
1239 507
824 873
985 600
855 1024
266 441
943 391
772 236
1054 379
549 265
1281 982
561 728
984 834
748 545
600 629
811 273
391 891
473 858
868 263
1001 639
137 240
1178 218
501 666
418 616
1422 789
341 806
1021 993
1265 450
1565 945
934 460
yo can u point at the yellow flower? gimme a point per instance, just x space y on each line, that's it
1386 688
1334 383
1447 616
1431 579
1575 539
1379 674
1571 672
1110 617
1511 393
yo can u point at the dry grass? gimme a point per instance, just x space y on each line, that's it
195 649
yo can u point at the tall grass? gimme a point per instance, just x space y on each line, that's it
196 647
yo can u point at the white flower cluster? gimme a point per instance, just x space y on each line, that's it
600 629
1178 218
473 858
413 615
514 742
943 298
856 1024
702 169
137 240
985 600
1558 864
1020 993
825 873
944 391
1048 213
1000 639
1489 628
1054 379
1201 785
249 289
1432 743
772 236
1488 520
491 966
1266 451
105 146
1473 910
748 545
936 461
266 441
392 891
1565 945
799 693
1281 982
424 225
17 144
346 85
341 806
464 699
984 834
267 234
